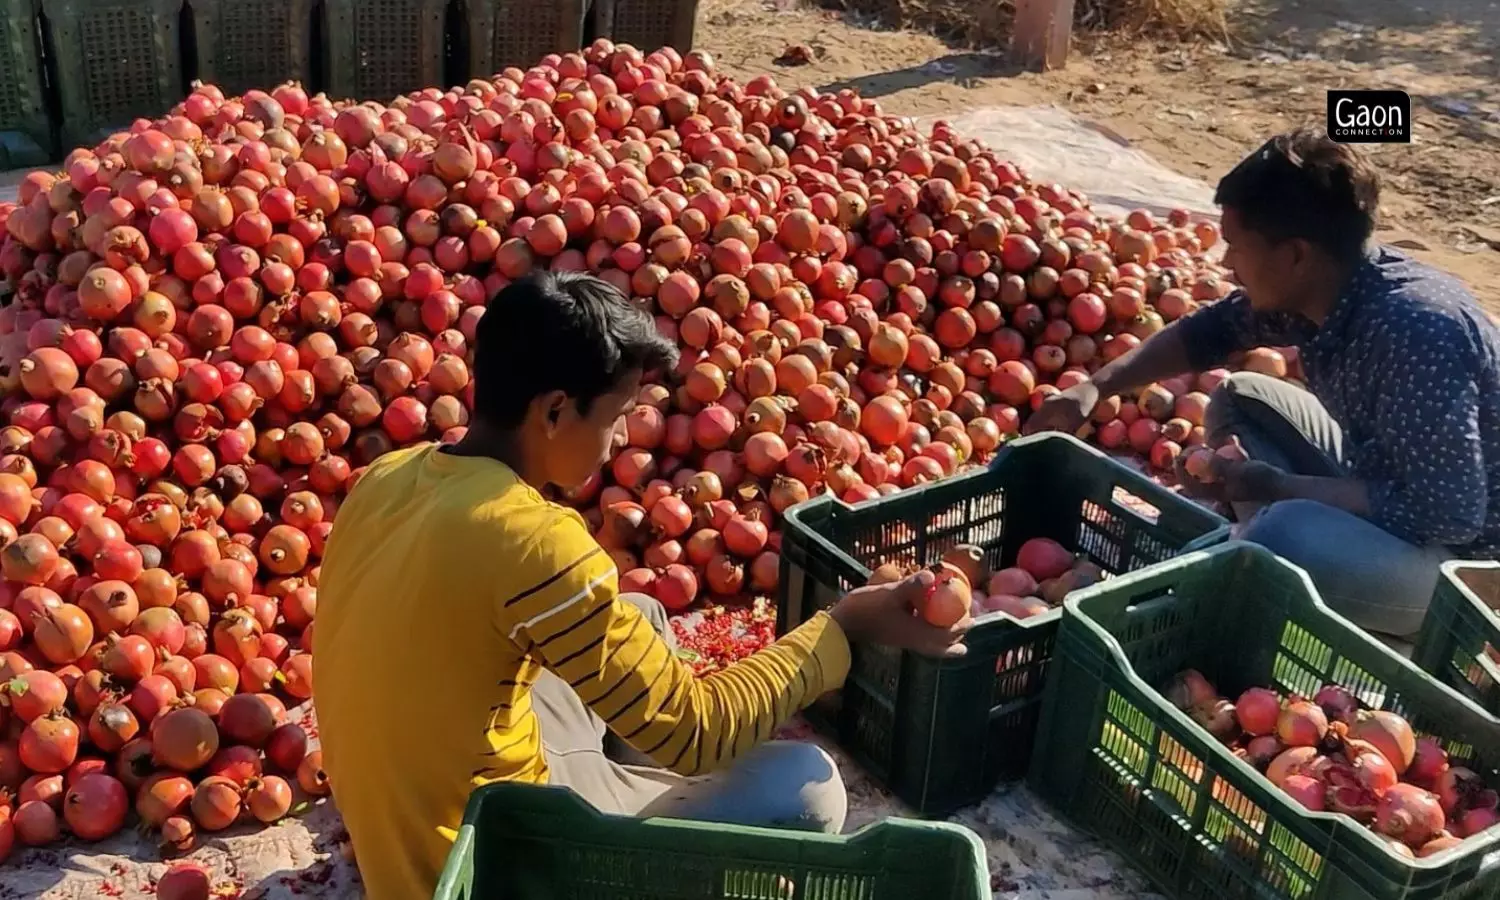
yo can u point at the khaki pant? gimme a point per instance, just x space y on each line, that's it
780 783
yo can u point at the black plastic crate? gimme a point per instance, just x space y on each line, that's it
942 733
380 49
245 44
26 137
1119 760
519 33
647 25
115 61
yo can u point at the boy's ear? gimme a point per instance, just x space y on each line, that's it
552 405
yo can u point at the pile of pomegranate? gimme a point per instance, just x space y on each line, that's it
220 317
1332 755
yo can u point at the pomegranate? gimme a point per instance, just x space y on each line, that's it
1044 558
1336 702
1014 581
216 803
1217 717
947 599
1258 711
1429 760
184 880
162 796
183 739
1301 723
95 807
1189 689
1477 819
1388 733
1306 791
1409 814
1293 761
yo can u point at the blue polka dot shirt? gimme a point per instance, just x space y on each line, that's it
1409 366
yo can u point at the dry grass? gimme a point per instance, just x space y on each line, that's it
1180 19
987 23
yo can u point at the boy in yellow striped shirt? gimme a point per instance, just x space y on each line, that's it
469 630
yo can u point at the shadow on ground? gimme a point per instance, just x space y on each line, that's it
961 69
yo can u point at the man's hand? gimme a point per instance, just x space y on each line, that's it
887 614
1249 480
1235 480
1065 411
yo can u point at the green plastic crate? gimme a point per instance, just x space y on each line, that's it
1460 638
519 32
647 25
380 49
115 61
522 842
25 129
942 733
1120 761
244 44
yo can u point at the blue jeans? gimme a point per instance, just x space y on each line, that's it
1366 574
781 784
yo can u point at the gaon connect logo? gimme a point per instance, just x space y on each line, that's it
1369 117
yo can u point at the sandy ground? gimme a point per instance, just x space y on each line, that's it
1198 109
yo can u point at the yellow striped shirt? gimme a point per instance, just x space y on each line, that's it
447 587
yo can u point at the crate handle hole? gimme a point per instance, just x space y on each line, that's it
1148 601
1125 501
1487 664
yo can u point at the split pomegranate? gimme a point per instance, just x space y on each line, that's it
1306 791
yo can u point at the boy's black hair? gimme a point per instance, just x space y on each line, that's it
1302 184
560 331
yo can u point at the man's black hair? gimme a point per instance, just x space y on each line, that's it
1302 184
560 331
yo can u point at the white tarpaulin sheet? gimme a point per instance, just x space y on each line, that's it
1053 145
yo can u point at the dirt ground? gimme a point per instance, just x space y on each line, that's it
1199 108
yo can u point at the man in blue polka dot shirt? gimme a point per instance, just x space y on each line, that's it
1389 463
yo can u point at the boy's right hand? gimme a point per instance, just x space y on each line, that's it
887 614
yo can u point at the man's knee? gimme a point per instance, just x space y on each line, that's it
1374 579
1287 526
811 790
1226 400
